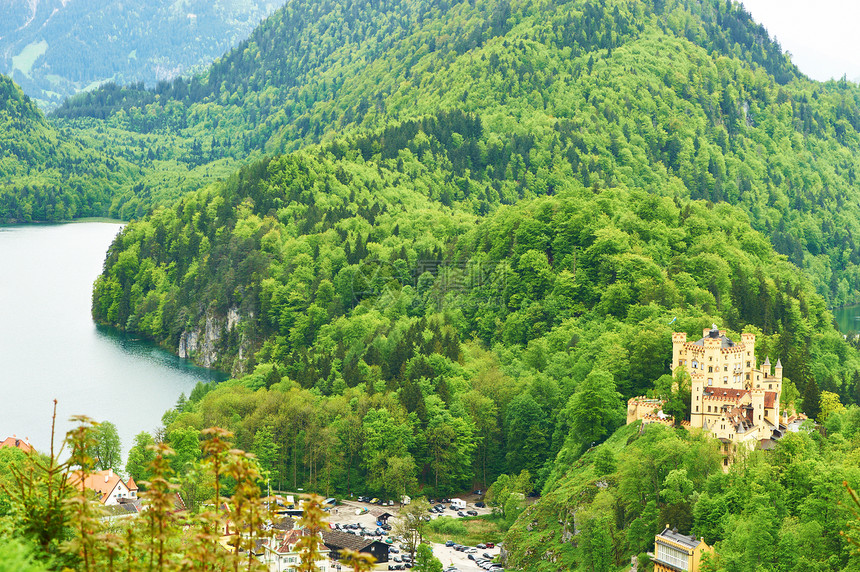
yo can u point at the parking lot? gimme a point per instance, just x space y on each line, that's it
350 512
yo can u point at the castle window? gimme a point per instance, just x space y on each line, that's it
726 367
710 369
710 381
769 386
748 364
697 409
709 408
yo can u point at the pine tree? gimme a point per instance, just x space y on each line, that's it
811 399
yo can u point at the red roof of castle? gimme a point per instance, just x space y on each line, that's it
726 392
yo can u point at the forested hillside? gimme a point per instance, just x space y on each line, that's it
51 175
354 300
56 48
487 221
776 510
461 236
681 98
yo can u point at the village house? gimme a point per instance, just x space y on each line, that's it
13 441
732 397
674 551
281 555
336 541
108 486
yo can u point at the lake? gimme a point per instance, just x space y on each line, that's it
50 348
848 318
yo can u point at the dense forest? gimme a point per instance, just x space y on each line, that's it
47 174
687 98
439 244
391 344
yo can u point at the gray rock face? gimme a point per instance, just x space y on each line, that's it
200 345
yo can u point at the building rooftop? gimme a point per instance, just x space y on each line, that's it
675 536
725 392
13 441
336 539
725 342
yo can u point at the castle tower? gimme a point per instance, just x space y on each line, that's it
748 341
757 397
678 341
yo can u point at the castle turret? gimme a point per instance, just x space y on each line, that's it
778 370
749 351
765 367
678 353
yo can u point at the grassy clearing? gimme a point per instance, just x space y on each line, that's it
468 531
28 56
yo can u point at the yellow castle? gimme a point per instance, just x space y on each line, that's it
731 396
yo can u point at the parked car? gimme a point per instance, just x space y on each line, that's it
481 546
472 512
449 543
490 545
480 504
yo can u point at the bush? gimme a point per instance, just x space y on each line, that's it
447 525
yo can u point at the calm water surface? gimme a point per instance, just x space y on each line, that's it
848 318
51 349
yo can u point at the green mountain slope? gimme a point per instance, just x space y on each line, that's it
342 273
51 175
778 510
463 245
679 98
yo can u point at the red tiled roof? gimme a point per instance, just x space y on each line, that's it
132 486
13 441
103 482
725 392
769 399
284 544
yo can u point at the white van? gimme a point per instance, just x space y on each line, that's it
458 504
